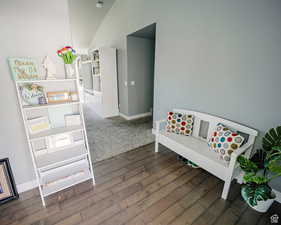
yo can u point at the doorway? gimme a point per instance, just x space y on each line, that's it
110 136
140 71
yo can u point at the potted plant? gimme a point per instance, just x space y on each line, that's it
68 54
263 167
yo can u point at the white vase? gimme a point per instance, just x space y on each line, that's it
69 71
263 206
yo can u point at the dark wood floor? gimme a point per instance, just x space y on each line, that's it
138 187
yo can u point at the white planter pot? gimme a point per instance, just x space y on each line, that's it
263 206
69 70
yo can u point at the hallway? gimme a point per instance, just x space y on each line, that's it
112 136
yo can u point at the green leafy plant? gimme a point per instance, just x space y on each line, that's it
264 166
272 138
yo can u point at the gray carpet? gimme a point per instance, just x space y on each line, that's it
112 136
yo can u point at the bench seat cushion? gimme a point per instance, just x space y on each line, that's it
198 150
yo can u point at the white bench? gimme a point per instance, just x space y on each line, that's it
196 149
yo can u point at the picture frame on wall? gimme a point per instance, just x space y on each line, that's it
8 190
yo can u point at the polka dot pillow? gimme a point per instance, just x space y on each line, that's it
224 141
179 123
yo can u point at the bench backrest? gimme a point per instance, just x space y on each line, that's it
204 124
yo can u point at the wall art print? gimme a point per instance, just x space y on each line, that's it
8 189
23 68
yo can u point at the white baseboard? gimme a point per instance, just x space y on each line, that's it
116 113
27 186
138 116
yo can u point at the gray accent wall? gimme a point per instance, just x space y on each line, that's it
219 57
30 28
222 57
140 69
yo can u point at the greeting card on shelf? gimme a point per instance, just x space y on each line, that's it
56 115
38 125
23 68
58 140
58 97
32 94
72 120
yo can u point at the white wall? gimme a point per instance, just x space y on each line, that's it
221 57
32 28
140 60
85 19
86 72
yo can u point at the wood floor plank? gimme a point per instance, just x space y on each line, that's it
134 170
249 217
37 216
189 215
120 202
171 213
33 195
130 155
123 162
108 202
147 216
72 220
232 214
96 196
100 189
149 189
212 213
229 217
117 180
139 187
215 206
147 198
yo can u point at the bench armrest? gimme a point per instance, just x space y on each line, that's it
242 150
158 123
234 156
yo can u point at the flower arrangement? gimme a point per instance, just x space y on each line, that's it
68 54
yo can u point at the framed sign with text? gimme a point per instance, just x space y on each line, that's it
24 68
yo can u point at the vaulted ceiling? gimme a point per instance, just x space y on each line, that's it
85 19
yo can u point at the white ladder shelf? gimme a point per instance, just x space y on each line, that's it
67 165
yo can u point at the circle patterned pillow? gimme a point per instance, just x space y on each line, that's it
224 141
179 123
